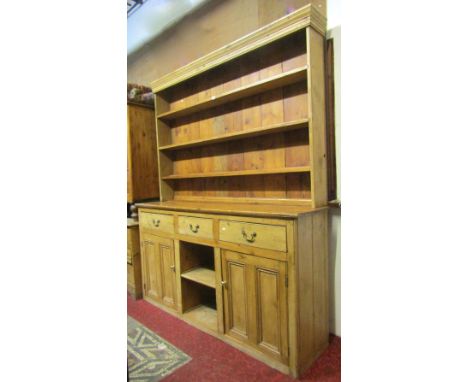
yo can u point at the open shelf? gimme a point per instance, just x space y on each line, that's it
267 171
199 304
198 284
276 128
203 315
283 79
202 276
197 263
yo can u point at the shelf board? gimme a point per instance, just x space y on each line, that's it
274 82
285 170
202 276
277 128
203 315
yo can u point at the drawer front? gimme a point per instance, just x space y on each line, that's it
198 227
256 235
160 222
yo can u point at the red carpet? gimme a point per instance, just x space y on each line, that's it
213 360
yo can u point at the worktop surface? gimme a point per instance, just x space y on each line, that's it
249 209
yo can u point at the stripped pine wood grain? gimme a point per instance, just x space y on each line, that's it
232 123
238 135
316 103
235 156
272 112
294 52
263 85
297 151
251 117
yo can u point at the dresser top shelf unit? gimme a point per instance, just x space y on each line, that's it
246 122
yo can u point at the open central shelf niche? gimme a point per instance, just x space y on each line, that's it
239 130
197 271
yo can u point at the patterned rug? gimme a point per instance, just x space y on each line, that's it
150 358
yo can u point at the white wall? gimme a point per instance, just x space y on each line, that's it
334 224
157 15
334 248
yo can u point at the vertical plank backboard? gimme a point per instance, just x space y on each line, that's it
271 113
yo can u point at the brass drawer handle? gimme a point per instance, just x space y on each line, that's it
194 230
252 237
156 222
173 268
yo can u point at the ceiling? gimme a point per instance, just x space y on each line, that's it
133 5
148 18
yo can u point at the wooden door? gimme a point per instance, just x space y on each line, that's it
255 302
168 273
159 283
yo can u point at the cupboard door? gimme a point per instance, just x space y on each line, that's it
236 304
159 269
269 291
168 274
255 302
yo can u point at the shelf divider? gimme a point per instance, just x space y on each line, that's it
202 276
274 82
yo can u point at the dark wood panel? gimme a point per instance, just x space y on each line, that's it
142 163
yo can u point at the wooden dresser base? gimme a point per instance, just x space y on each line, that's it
267 295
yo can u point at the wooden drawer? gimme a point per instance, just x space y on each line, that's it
253 234
160 222
198 227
